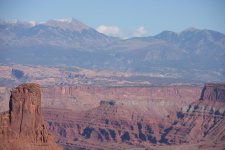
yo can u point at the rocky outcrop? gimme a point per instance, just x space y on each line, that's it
110 122
213 92
203 120
23 126
4 99
113 122
122 117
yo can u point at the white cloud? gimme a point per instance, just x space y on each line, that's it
140 31
117 32
33 23
109 30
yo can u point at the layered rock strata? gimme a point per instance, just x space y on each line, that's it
203 120
198 125
213 92
82 98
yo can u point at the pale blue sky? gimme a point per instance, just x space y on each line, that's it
123 16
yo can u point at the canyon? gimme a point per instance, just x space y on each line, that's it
85 97
79 89
196 124
134 117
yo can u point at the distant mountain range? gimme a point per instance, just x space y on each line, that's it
53 33
70 42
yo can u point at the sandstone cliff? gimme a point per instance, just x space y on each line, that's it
127 117
23 126
82 98
213 92
4 99
203 120
200 124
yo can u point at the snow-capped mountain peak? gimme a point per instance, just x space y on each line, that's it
67 24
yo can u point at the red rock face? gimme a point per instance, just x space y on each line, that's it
116 124
24 122
202 120
107 123
122 117
25 110
82 98
213 92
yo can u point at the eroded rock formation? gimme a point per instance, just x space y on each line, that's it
203 120
213 92
22 127
123 117
82 97
198 125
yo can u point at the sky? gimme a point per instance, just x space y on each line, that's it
123 18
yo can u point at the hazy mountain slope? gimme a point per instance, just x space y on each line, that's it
53 33
70 42
201 46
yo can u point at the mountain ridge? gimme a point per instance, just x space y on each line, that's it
75 22
72 43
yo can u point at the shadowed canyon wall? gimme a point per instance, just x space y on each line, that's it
94 117
198 124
